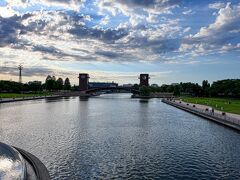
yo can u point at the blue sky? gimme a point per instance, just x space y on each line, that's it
115 40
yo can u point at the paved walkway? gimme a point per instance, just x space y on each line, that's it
228 119
203 107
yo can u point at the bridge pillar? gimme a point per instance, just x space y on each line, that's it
83 81
144 80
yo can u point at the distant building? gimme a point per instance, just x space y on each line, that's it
154 85
127 85
92 85
35 82
83 81
144 80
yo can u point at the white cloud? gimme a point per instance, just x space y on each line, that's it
18 3
105 20
188 12
67 4
152 18
216 37
217 5
52 39
187 29
225 21
138 11
185 47
7 11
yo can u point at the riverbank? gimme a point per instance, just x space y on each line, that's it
8 100
56 95
228 119
25 95
229 105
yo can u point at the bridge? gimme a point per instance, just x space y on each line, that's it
94 90
84 85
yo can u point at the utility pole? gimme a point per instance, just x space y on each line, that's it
20 67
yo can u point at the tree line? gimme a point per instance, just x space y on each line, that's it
221 88
51 84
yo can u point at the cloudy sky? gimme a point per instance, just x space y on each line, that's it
172 40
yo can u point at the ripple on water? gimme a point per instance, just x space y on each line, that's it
121 138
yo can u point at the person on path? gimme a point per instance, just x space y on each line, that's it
212 111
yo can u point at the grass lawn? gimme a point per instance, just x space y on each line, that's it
18 95
224 104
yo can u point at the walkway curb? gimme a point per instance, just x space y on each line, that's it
29 98
204 115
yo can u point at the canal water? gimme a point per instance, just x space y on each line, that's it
114 136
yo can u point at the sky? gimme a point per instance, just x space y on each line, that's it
116 40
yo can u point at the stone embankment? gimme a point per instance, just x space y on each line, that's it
230 120
7 100
56 95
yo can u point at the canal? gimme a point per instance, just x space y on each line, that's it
114 136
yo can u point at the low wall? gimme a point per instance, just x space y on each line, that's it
219 118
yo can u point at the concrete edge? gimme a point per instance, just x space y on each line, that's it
32 98
215 119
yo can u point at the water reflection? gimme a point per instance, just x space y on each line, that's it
53 99
67 98
114 136
83 98
143 100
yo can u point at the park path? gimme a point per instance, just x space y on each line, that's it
203 108
228 119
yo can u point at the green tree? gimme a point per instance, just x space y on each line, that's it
48 78
67 85
205 87
54 78
226 87
170 88
144 91
11 86
176 91
136 87
35 86
59 84
50 83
